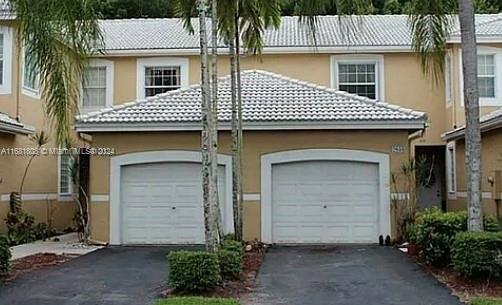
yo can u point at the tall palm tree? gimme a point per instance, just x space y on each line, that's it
60 35
431 25
235 19
210 223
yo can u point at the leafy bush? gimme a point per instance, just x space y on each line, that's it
434 231
478 254
492 224
5 255
230 263
193 270
485 301
232 245
197 301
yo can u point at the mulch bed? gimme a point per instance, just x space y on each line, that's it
236 288
34 262
464 288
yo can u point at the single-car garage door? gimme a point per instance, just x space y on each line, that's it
325 202
161 203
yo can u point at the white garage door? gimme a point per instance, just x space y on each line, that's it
325 202
161 203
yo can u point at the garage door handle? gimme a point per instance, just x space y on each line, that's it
174 208
324 206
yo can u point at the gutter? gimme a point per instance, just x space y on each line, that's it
226 126
12 129
459 133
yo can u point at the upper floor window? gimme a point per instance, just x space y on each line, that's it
5 59
159 75
31 83
361 75
486 75
161 79
97 86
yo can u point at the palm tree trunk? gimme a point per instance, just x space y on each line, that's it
472 131
235 140
209 227
240 160
214 118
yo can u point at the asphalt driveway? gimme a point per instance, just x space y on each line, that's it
344 275
111 276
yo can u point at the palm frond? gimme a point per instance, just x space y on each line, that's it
185 10
59 35
430 25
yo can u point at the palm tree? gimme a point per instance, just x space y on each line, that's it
60 35
210 223
431 24
235 19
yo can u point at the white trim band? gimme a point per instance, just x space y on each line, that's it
252 197
100 198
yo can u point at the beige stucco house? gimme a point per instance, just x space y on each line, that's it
317 160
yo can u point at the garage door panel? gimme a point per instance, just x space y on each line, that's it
324 201
161 203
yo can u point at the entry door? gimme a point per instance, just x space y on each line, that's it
325 202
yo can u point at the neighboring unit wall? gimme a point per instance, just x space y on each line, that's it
42 179
404 82
256 143
491 160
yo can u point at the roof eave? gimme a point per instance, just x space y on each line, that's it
485 126
479 39
12 129
266 50
411 125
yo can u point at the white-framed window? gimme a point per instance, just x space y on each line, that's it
31 78
448 79
65 184
5 60
486 75
489 75
451 174
97 86
161 74
359 74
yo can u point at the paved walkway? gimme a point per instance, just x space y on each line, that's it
111 276
345 275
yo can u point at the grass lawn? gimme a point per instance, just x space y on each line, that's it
486 301
205 301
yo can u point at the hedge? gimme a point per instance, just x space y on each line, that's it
230 264
435 230
193 270
478 254
5 255
232 245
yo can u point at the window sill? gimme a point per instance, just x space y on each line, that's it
31 93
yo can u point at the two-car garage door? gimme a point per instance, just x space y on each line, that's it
325 202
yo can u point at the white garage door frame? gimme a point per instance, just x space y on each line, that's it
268 160
117 162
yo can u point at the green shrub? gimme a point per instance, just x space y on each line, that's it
196 301
232 245
485 301
478 254
434 231
229 236
5 255
230 264
492 224
193 270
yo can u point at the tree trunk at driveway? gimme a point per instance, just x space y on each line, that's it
471 101
214 118
209 221
235 138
